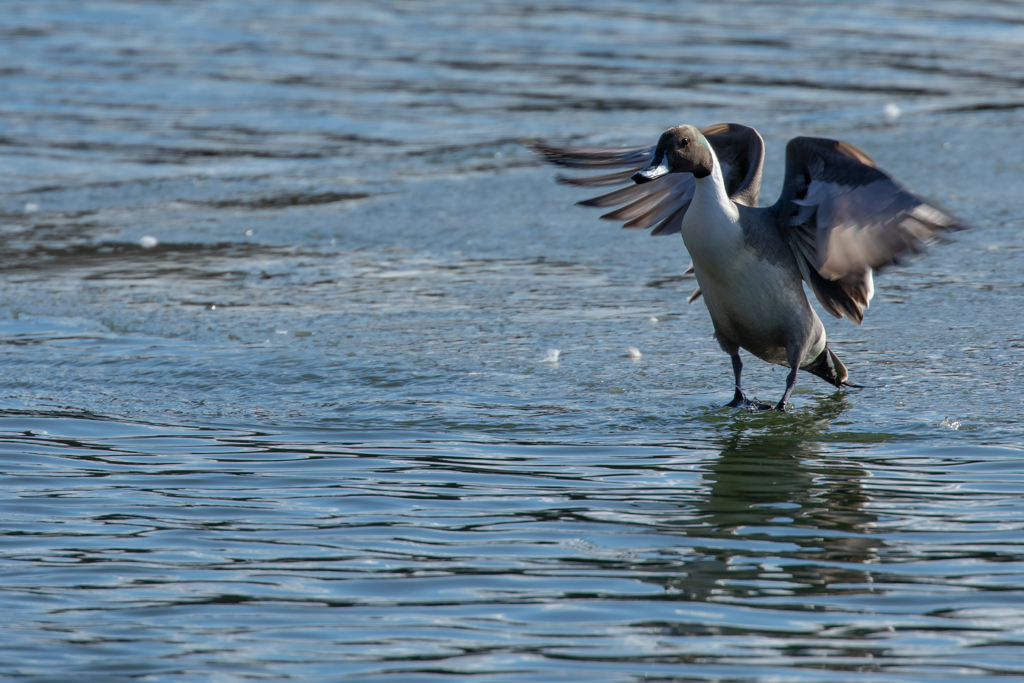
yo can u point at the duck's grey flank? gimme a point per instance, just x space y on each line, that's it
838 219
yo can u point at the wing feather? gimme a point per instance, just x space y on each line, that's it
664 211
631 193
592 157
848 218
616 178
660 204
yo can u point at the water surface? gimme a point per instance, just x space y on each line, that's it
280 282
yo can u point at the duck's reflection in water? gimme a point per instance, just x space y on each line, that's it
778 517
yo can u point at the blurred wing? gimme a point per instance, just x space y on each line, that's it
662 203
740 152
848 218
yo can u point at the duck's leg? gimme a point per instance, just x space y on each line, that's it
790 383
738 399
793 355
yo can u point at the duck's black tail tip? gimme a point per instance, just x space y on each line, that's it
828 367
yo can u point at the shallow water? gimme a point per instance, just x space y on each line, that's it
307 429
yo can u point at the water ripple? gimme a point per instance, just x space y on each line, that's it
311 372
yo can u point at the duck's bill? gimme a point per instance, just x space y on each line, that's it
657 169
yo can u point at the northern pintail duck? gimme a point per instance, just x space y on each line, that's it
838 218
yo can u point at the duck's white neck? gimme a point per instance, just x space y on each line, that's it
711 192
711 229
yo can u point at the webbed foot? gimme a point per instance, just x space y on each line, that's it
741 401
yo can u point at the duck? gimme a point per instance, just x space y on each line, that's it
838 219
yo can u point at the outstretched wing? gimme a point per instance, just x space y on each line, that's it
848 218
661 204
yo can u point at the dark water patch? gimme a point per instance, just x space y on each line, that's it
670 280
285 201
553 103
86 256
987 106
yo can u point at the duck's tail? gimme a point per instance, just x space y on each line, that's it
828 367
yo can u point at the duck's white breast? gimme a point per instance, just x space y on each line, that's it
757 303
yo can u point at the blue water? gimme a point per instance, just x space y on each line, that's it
278 397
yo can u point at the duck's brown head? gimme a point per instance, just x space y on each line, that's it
682 149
